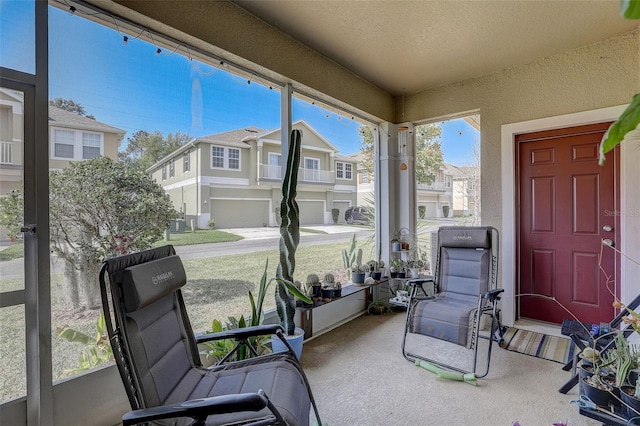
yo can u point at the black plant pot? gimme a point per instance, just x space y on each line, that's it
584 371
393 274
401 274
376 275
327 294
337 292
600 397
626 393
317 290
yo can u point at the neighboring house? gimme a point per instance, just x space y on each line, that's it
72 137
235 178
466 189
448 187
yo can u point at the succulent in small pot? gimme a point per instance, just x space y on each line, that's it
337 289
314 282
375 269
327 293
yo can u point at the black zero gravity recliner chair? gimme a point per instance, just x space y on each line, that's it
158 359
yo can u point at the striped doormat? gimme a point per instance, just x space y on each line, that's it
552 348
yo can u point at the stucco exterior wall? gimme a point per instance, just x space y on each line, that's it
599 75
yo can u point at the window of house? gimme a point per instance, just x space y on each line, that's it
63 141
364 177
447 181
225 158
312 163
76 145
164 172
234 158
344 170
186 162
273 170
172 168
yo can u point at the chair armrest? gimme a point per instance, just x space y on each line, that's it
199 408
240 333
493 295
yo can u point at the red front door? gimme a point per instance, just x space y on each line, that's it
568 204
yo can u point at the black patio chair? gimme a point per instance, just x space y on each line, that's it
159 363
465 282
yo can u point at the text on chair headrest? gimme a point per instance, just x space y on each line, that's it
469 237
148 282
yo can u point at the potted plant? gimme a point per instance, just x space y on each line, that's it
286 291
313 281
374 270
378 307
358 272
351 257
397 268
337 290
327 292
329 282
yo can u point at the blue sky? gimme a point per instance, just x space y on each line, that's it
133 88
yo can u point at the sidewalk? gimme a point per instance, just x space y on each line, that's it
274 232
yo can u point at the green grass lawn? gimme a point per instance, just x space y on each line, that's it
14 251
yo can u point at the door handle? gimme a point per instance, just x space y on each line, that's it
607 228
608 242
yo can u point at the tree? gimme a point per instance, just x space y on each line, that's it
12 213
101 208
71 106
429 158
367 149
145 149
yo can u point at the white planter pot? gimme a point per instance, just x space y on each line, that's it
294 341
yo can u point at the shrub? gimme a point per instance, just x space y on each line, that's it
335 214
211 223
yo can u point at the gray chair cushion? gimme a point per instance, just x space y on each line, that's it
146 283
448 316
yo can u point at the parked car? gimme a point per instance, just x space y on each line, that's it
357 215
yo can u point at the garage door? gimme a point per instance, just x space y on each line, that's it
430 210
239 214
311 212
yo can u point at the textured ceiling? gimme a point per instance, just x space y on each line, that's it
408 46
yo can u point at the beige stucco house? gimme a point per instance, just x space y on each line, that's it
235 178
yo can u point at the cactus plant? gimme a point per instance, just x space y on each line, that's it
329 279
286 292
337 289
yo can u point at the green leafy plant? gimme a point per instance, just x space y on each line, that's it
335 214
97 349
212 223
11 214
626 127
352 259
216 350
